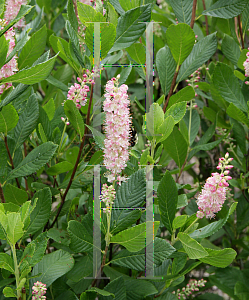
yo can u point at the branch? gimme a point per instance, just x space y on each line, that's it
2 195
176 72
77 160
102 266
206 18
241 33
11 160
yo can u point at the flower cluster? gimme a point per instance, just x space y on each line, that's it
117 125
78 92
246 66
39 290
213 195
192 286
107 197
12 9
11 67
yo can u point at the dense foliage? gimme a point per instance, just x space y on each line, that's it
124 161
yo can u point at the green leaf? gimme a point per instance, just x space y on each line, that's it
98 137
86 13
112 16
228 86
237 114
182 10
2 2
137 53
185 94
179 263
226 8
36 159
3 50
242 58
81 240
139 289
34 252
59 168
239 75
33 49
179 221
9 292
177 111
41 212
102 292
245 19
116 287
182 201
176 146
59 235
154 119
49 108
241 290
166 67
71 15
22 12
74 117
15 93
230 49
167 198
202 51
52 267
213 227
129 28
127 5
15 195
136 260
219 258
211 115
191 246
14 228
133 239
34 74
7 263
180 39
195 124
27 121
165 129
8 118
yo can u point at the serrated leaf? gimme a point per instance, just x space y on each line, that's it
137 53
8 119
228 86
226 8
167 198
15 93
116 287
15 195
200 53
7 263
235 113
41 212
36 159
129 28
182 10
52 266
195 124
34 74
133 239
180 39
9 292
3 50
213 227
14 228
179 221
165 129
33 49
219 258
230 49
177 111
166 67
102 292
136 260
185 94
27 121
71 15
98 137
191 246
74 117
86 12
176 146
139 289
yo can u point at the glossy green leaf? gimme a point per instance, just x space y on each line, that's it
219 258
6 262
182 10
185 94
130 28
36 159
230 49
180 39
52 267
179 221
133 239
15 93
166 67
59 168
167 198
226 8
34 74
201 53
33 49
8 119
191 246
177 111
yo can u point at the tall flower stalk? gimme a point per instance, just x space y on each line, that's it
213 195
